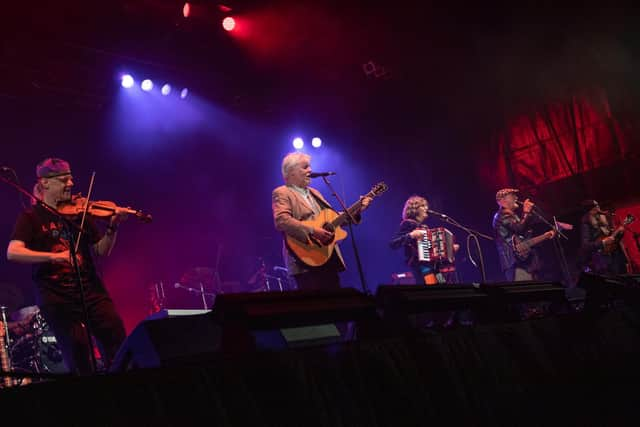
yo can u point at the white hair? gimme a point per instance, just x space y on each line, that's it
37 192
291 160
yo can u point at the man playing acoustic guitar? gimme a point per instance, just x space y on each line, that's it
295 205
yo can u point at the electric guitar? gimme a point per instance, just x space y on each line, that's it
608 246
522 247
315 253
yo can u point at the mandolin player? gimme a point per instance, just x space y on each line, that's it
600 249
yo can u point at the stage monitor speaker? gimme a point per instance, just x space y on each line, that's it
280 320
489 302
603 290
525 291
421 298
631 279
169 338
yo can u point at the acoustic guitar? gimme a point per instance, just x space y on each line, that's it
610 246
315 253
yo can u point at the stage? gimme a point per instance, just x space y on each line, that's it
576 367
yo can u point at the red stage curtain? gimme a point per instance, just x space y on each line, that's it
558 140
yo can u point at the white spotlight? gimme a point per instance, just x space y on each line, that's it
298 143
184 93
166 89
146 85
316 142
127 81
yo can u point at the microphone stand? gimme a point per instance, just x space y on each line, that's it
200 291
471 234
70 227
353 237
218 282
564 266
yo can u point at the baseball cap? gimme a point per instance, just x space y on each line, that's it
52 167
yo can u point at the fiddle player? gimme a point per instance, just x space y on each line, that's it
43 239
595 234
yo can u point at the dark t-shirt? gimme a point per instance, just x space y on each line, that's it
42 231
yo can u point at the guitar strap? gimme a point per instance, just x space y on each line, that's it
313 203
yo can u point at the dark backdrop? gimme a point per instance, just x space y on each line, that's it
450 79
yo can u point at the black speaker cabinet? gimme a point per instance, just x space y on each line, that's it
169 338
280 320
489 302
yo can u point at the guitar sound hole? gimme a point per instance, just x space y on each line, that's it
330 228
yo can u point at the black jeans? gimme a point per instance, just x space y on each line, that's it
324 277
67 323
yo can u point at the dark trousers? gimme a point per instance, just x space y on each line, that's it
326 276
67 323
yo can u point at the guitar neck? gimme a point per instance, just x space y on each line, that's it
344 216
619 231
535 240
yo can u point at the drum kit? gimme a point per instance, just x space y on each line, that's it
31 346
197 287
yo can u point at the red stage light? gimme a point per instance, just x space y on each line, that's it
228 23
186 10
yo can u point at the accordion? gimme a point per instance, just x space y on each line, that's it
436 245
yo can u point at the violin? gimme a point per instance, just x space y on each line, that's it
98 209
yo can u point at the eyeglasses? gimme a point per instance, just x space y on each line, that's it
63 179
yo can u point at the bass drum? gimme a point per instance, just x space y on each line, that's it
37 350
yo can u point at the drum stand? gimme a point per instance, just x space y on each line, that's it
267 283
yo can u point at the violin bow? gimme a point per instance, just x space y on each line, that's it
84 212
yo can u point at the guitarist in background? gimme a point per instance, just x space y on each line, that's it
295 202
600 250
507 224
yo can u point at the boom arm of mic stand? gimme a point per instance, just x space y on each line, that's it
344 207
474 234
455 223
553 226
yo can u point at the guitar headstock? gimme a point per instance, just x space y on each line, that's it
378 189
629 219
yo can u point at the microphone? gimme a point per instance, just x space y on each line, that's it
5 168
441 215
319 174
